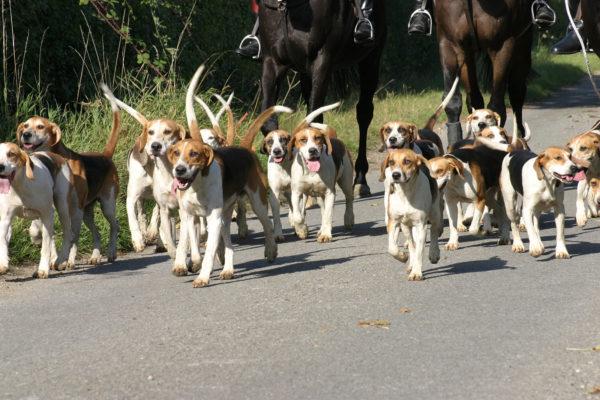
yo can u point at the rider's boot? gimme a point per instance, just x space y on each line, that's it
250 45
420 22
569 44
542 14
364 31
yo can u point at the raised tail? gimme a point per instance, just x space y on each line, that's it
438 111
305 123
231 126
111 144
190 113
515 135
248 139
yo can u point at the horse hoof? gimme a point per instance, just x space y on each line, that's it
362 190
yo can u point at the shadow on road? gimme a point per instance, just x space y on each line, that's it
466 267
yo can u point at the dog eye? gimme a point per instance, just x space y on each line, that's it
176 153
476 118
303 140
406 161
150 132
26 126
593 184
168 131
388 130
392 163
558 158
194 154
40 126
583 148
437 171
270 142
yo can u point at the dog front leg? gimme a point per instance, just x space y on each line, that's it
435 220
276 211
410 243
479 206
194 228
536 247
5 222
324 235
559 219
393 229
180 266
214 223
419 235
581 214
46 253
166 234
228 270
137 238
298 214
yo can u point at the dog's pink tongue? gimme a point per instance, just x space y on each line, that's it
174 187
580 176
313 166
4 185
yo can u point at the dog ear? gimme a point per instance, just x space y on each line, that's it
384 165
20 130
468 126
138 150
382 137
210 156
220 139
537 166
414 131
263 148
328 142
456 165
26 160
183 134
291 145
422 161
56 132
143 139
498 119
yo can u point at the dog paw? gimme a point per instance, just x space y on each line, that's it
562 255
200 282
226 275
348 221
434 257
151 235
301 231
111 258
3 269
95 260
179 270
522 228
40 274
68 266
271 252
536 250
518 248
138 246
414 276
503 241
195 265
461 228
451 246
581 219
242 232
324 238
399 255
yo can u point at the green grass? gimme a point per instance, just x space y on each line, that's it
87 129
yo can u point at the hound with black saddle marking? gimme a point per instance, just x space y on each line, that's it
539 179
413 201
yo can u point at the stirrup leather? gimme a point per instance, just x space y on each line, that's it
421 11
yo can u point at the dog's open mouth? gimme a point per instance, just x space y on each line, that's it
278 159
314 164
5 182
182 183
567 178
31 146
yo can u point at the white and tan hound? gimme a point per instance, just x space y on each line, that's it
586 146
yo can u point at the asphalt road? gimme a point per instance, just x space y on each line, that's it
485 323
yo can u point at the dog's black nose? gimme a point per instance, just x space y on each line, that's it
313 151
27 135
393 139
156 146
277 152
482 125
396 175
503 142
574 168
180 170
2 167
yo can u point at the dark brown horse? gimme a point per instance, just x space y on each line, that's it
502 29
315 37
591 21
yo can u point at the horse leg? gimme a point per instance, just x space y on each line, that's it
501 61
272 76
369 78
468 77
450 68
517 81
306 88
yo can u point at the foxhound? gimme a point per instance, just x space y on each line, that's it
476 122
29 186
539 179
208 183
413 201
95 179
586 146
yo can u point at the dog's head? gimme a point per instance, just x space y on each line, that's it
478 120
585 146
38 134
311 143
402 164
443 168
189 157
494 133
595 191
275 145
12 159
398 135
557 163
159 135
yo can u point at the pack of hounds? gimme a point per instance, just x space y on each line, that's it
199 175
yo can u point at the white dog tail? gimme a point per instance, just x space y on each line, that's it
190 113
305 123
231 125
111 144
438 111
515 136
